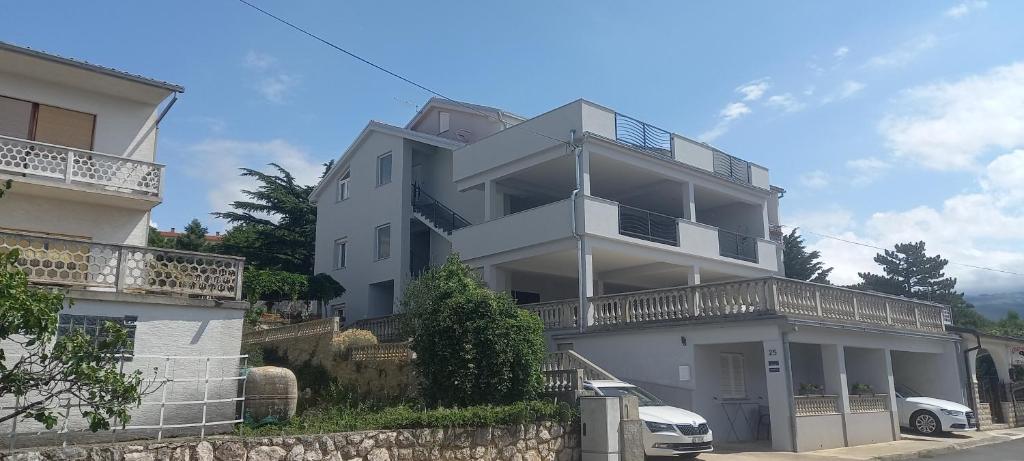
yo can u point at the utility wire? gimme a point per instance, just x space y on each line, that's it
854 242
386 70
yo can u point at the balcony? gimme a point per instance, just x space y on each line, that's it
648 225
59 165
745 299
122 268
737 246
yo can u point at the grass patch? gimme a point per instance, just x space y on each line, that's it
327 419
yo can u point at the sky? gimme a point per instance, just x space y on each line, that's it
885 122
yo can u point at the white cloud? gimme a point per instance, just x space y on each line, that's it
947 126
816 179
971 228
809 91
786 102
269 82
903 53
846 90
867 170
841 52
215 164
727 115
965 8
734 110
754 90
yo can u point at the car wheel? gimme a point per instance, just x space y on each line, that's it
925 422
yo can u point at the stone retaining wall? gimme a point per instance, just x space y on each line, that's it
533 442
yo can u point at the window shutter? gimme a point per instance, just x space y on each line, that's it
15 118
64 127
732 382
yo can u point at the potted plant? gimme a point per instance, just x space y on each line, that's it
811 389
861 389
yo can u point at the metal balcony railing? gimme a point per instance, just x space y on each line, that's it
436 212
731 167
648 138
648 225
76 166
737 246
122 268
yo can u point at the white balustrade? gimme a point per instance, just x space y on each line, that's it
110 172
872 403
816 405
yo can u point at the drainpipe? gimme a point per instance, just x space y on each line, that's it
970 382
788 369
152 127
580 247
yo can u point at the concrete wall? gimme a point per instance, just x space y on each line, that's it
473 126
518 230
120 122
550 288
357 218
934 375
693 153
819 432
867 366
435 177
868 428
807 365
741 218
99 223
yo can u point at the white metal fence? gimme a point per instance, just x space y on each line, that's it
189 395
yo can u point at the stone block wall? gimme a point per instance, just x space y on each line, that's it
532 442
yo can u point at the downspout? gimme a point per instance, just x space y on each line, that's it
791 400
152 127
970 381
581 259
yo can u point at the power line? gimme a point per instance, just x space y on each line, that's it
384 69
854 242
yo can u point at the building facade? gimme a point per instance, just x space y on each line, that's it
79 143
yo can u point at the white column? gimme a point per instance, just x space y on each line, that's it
693 278
780 393
493 201
689 206
892 393
585 167
764 219
598 286
495 278
588 283
833 366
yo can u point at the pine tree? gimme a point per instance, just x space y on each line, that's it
194 237
801 264
910 272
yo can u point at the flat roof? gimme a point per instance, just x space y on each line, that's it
92 67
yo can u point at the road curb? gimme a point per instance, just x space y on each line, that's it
967 444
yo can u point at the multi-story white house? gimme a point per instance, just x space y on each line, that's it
676 244
78 141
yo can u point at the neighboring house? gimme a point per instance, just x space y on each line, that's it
996 394
678 244
173 234
79 142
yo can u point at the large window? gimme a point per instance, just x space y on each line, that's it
732 383
382 249
343 191
340 253
384 169
43 123
94 327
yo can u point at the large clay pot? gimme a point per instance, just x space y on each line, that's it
271 392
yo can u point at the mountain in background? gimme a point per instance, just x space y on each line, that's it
996 305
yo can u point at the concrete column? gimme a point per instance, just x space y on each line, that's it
495 278
693 278
764 219
833 365
892 393
689 206
588 283
598 287
494 201
780 393
585 168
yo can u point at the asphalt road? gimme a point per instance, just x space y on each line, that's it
1006 451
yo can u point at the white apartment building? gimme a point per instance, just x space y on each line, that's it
678 244
79 142
655 209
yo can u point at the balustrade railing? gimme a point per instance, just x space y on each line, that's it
295 330
55 261
556 381
386 329
646 137
648 225
816 405
731 167
869 403
570 360
385 352
752 297
737 246
69 165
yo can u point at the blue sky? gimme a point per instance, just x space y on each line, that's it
885 121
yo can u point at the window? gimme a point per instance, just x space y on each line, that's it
383 245
340 253
343 186
43 123
445 121
93 326
384 169
731 382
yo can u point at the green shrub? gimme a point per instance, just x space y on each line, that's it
327 419
473 346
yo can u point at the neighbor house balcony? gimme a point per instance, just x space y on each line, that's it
745 299
123 268
73 173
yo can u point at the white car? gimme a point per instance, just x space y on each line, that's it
668 431
928 416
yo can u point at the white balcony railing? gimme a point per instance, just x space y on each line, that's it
872 403
744 298
122 268
816 405
67 165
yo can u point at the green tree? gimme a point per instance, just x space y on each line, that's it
193 238
155 240
801 264
910 272
41 369
473 346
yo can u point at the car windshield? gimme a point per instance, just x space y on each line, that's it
907 392
645 398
